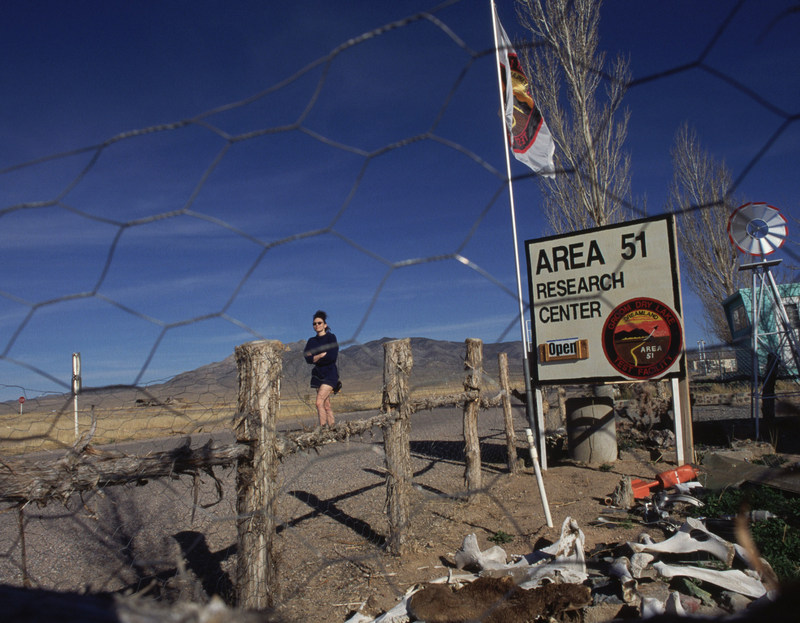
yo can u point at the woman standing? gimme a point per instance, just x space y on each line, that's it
322 351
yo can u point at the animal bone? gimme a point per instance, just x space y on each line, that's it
470 555
639 562
619 569
562 562
687 487
673 604
765 571
454 579
398 614
650 606
731 579
568 564
693 536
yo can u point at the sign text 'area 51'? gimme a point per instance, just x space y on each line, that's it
606 303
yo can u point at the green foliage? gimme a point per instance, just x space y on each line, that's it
777 539
625 441
606 467
779 543
501 537
756 497
628 524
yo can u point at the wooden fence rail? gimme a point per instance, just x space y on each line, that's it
258 449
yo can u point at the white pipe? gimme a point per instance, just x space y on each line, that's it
539 481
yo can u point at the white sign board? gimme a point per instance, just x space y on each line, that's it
605 303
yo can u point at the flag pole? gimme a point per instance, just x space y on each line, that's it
525 350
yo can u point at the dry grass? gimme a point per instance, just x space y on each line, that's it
41 430
50 425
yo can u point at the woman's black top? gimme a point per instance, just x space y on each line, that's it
325 371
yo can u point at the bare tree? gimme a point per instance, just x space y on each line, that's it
699 195
589 126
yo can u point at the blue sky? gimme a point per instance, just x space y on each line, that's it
354 186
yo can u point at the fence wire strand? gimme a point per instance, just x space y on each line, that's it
173 538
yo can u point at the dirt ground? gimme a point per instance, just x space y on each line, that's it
331 561
175 539
509 504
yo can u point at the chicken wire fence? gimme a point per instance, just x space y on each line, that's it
110 539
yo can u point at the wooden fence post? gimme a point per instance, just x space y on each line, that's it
508 417
562 405
260 366
473 363
397 363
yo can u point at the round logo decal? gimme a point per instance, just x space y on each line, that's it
642 338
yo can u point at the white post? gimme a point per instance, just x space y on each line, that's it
76 387
538 472
541 423
676 413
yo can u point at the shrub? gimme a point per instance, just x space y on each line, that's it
778 539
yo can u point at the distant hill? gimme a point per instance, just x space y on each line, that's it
437 364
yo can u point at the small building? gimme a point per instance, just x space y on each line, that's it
717 362
739 312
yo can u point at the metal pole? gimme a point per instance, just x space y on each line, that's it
529 398
754 346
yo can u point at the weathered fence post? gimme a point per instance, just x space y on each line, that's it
397 363
260 366
508 417
562 405
473 363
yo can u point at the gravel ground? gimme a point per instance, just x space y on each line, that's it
175 538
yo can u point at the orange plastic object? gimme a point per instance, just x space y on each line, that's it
671 477
641 488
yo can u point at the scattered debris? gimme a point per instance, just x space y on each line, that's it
562 562
620 569
553 582
665 480
692 537
728 471
730 579
471 558
623 496
496 600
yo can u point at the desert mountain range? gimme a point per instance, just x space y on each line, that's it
437 364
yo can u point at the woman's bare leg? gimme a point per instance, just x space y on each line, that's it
324 409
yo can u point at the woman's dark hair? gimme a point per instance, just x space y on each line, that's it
321 314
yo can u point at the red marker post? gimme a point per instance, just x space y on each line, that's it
21 402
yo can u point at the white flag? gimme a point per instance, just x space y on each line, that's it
528 134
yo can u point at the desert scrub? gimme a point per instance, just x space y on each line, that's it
778 539
501 537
